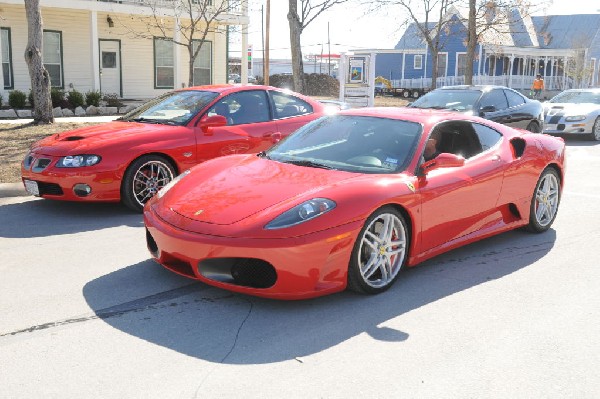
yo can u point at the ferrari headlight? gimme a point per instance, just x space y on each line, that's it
301 213
78 161
575 118
170 184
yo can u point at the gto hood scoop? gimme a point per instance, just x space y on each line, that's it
227 190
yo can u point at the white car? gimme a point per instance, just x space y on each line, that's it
574 112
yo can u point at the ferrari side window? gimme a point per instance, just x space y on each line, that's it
488 137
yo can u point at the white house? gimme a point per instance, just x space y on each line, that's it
110 46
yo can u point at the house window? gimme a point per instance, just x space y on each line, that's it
52 57
442 64
164 71
461 64
418 62
5 45
202 63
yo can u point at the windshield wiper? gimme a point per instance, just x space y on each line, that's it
155 121
263 154
308 163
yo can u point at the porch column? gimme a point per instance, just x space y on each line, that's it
403 65
94 45
177 75
480 60
551 85
510 70
525 62
565 61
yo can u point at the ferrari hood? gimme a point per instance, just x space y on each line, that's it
89 138
226 190
570 108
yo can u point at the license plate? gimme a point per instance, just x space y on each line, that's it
32 187
550 126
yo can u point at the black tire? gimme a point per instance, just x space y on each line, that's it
406 93
545 201
387 259
143 178
534 127
416 94
595 135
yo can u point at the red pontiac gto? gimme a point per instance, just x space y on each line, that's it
350 199
130 159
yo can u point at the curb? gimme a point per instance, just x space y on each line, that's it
12 190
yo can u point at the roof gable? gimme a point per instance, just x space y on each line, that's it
566 31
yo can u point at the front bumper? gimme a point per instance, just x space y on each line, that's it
282 268
554 125
62 183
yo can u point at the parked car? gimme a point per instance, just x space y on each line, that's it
574 112
333 106
251 79
496 103
130 159
349 200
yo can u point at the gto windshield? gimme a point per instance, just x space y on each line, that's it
351 143
578 97
175 108
455 100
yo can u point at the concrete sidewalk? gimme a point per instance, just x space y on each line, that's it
12 190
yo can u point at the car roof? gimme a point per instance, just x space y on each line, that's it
237 87
473 87
418 115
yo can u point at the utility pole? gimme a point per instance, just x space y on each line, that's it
266 46
328 51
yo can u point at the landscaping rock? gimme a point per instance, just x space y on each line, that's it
57 112
8 113
67 112
91 110
79 111
24 113
107 110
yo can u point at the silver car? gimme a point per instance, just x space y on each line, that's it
574 112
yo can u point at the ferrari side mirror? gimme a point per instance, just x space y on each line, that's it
444 160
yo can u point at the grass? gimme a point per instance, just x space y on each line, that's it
15 139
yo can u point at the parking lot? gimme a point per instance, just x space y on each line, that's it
85 313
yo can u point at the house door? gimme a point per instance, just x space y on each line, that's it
110 67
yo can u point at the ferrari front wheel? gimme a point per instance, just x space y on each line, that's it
544 204
143 178
379 253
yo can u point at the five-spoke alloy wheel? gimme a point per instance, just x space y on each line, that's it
379 252
544 204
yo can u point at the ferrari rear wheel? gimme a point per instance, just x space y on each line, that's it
379 252
143 178
596 130
544 204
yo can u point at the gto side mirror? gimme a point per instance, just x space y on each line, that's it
207 123
444 160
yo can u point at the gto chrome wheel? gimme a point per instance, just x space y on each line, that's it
544 204
144 178
379 252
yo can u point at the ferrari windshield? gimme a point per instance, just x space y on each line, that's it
456 100
351 143
174 108
578 97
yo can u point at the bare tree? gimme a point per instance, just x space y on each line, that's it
40 79
298 20
432 22
499 17
186 23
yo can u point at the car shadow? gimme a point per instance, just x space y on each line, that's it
578 141
42 218
222 327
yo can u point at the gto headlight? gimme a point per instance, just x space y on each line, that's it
301 213
575 118
170 184
77 161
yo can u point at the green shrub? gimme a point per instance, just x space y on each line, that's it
30 98
112 100
58 98
93 98
75 99
17 99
